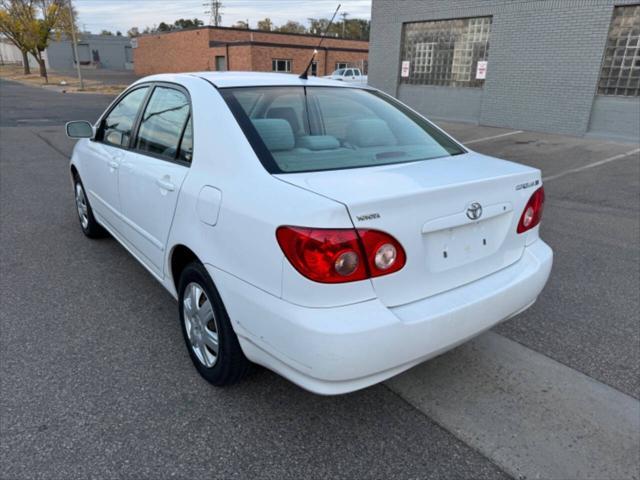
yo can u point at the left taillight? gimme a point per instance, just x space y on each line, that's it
532 211
340 255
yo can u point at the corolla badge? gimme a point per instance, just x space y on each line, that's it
474 211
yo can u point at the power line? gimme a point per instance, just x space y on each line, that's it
344 21
214 6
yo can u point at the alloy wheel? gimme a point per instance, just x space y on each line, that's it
200 324
81 204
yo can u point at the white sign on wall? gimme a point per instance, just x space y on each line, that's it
481 70
134 43
404 72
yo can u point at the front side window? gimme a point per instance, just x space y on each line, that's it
620 73
281 65
163 122
297 129
446 52
117 126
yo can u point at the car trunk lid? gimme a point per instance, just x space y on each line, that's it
456 217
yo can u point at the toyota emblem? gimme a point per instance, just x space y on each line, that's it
474 212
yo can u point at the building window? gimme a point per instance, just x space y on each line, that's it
340 65
278 65
314 69
446 52
620 74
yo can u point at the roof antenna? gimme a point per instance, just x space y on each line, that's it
304 75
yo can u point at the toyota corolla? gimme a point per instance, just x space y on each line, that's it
321 229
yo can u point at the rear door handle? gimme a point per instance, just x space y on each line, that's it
165 185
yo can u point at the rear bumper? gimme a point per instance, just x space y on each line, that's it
338 350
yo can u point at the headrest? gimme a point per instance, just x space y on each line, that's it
285 113
318 142
275 133
370 132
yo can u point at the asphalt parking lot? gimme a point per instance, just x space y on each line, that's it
96 382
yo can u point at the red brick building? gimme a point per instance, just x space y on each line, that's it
225 48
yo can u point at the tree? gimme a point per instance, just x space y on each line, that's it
41 22
14 29
108 33
164 27
265 24
354 28
118 33
133 32
241 24
292 27
188 23
34 22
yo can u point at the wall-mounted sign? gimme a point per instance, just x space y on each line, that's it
481 70
404 72
134 43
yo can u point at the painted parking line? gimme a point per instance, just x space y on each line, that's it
533 416
477 140
33 120
592 165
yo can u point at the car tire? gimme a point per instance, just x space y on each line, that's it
90 227
209 337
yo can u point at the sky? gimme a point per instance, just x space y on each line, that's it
98 15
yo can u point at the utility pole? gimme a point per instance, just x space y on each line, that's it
75 44
344 22
214 7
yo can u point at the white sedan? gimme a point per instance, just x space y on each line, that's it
323 230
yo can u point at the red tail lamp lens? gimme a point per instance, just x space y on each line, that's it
532 211
384 253
340 255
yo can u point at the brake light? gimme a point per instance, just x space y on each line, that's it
532 211
340 255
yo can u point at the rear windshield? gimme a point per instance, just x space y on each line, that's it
301 129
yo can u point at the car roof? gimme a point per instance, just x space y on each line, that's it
250 79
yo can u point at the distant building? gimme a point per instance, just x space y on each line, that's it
100 51
548 65
95 51
226 48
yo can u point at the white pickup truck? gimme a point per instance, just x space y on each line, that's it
351 75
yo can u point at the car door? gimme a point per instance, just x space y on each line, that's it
152 172
105 154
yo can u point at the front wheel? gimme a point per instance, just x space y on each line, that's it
90 227
211 342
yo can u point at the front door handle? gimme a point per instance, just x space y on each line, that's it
165 185
113 164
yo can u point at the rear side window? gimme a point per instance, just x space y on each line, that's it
163 122
118 124
186 146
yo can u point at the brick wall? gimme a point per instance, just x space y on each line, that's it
544 59
195 50
172 52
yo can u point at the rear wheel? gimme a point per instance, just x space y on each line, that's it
90 227
211 342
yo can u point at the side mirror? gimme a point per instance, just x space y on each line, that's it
79 129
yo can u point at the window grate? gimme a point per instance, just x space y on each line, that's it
620 73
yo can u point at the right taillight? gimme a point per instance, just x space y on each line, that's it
532 211
340 255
